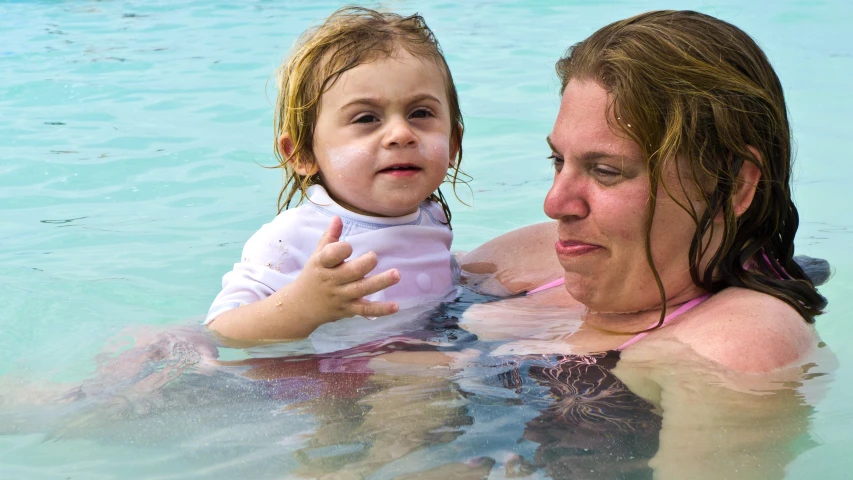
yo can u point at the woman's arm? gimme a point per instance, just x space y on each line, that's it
514 262
718 422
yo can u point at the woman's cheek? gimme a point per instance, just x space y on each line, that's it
629 218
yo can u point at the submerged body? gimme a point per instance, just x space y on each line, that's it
478 403
737 328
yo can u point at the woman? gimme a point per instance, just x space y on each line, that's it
672 157
674 242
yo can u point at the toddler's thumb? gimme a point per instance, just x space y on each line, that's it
332 233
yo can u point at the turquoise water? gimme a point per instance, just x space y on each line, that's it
131 135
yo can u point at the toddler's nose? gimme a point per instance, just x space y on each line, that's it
399 134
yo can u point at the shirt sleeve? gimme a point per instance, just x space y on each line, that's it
271 259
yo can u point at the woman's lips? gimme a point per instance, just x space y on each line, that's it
571 248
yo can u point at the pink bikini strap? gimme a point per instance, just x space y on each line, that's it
678 311
770 264
683 308
555 283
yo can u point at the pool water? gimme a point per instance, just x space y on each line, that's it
132 140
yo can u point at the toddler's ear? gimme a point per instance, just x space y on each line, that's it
455 146
286 148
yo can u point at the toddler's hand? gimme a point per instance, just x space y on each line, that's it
329 288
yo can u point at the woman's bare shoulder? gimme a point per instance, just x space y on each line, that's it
514 262
747 331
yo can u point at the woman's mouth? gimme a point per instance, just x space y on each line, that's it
401 170
572 248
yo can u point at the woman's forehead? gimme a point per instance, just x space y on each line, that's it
583 126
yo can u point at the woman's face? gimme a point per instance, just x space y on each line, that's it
600 198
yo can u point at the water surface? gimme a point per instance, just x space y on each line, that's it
132 136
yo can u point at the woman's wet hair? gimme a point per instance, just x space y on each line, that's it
350 37
699 94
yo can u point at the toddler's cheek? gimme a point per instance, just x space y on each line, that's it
343 159
435 147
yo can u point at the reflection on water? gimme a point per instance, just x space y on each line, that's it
590 425
433 402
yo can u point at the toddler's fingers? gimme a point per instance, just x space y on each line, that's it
357 268
374 309
370 285
332 233
334 254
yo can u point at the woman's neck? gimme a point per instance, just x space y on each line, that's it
640 320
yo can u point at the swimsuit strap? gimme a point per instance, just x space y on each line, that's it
683 308
555 283
773 269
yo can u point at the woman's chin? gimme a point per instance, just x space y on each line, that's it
584 293
597 301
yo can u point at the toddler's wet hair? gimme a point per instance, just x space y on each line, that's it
349 37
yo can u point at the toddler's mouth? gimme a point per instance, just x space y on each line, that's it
401 169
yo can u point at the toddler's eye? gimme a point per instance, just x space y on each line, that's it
421 113
366 118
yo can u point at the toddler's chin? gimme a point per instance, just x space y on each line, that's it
394 210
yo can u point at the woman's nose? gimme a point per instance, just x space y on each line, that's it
567 197
399 134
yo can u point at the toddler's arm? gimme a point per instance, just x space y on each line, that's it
327 289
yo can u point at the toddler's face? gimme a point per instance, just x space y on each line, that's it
382 139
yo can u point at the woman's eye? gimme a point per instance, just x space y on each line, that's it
421 113
556 161
605 173
366 118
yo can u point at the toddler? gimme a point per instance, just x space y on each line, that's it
367 127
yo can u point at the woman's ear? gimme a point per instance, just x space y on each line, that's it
747 183
286 148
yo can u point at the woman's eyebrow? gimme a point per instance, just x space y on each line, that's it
594 155
589 156
550 144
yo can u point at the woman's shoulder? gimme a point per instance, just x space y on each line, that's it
514 262
747 331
